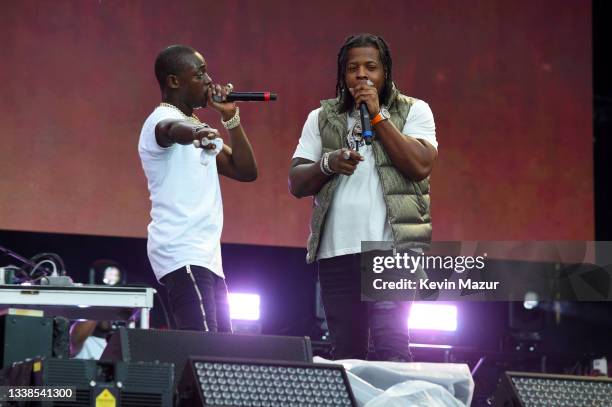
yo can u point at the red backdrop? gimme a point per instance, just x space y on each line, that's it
509 84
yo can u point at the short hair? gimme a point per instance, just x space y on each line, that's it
356 41
171 61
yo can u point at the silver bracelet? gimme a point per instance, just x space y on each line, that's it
323 169
324 165
233 122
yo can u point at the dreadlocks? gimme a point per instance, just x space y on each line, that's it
357 41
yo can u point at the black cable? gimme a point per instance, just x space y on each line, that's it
31 264
53 257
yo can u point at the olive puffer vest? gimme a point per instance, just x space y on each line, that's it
407 201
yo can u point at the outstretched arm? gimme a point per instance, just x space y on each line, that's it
236 162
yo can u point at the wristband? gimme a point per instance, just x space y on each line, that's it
383 114
378 118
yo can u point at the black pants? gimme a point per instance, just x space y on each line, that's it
353 324
198 299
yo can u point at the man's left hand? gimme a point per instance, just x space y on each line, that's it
367 94
227 109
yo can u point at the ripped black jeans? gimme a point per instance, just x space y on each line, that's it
354 324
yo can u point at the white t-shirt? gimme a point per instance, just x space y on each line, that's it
93 347
357 211
186 206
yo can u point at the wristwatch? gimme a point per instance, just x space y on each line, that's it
382 115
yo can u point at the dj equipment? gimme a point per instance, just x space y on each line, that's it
104 303
518 389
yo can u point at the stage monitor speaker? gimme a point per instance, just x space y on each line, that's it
176 346
24 337
94 383
519 389
233 382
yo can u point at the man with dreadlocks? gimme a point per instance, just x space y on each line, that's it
377 192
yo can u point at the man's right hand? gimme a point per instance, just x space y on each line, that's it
206 132
344 161
227 109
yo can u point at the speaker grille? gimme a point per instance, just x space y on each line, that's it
82 399
136 399
67 372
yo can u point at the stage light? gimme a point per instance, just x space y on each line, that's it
244 306
540 389
433 317
107 272
250 383
429 346
531 300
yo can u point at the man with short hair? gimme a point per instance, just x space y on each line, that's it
186 208
377 192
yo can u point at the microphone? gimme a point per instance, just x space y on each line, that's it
247 97
366 126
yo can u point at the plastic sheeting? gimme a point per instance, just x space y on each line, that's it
393 384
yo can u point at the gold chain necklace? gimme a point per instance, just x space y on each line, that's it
193 117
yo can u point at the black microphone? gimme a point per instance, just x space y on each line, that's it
246 97
366 126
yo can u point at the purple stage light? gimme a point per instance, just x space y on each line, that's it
430 346
244 306
433 317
